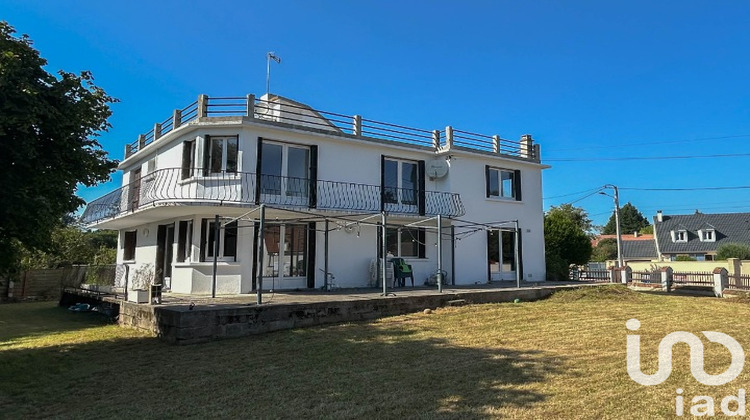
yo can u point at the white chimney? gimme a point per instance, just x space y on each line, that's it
659 216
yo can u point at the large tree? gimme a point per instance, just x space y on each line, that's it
576 214
605 250
631 220
48 146
566 239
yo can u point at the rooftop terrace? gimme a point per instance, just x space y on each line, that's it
278 110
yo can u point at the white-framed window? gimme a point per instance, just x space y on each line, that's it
285 250
405 242
679 235
221 154
707 235
400 181
503 183
501 251
285 169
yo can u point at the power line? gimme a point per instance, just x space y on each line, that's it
612 146
575 193
585 196
740 187
594 159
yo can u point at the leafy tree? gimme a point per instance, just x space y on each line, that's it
684 258
71 245
605 250
48 130
631 220
566 240
648 230
733 250
576 214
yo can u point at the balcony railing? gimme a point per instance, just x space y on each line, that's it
301 116
175 186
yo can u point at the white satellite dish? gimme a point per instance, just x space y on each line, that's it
436 168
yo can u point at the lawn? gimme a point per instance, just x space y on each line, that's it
559 358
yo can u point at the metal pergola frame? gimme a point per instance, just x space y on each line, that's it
364 218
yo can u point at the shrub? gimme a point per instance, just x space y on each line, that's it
733 250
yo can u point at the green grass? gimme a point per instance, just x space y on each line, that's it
559 358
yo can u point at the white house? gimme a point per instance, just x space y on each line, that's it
320 184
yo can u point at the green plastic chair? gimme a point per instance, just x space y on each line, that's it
401 271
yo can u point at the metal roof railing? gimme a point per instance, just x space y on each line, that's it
281 110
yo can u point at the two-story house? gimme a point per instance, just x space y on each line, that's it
230 191
698 235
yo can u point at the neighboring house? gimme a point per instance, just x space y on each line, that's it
319 183
635 247
698 235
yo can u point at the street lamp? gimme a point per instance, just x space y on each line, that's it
616 196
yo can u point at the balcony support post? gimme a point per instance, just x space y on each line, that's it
517 256
453 255
526 146
440 253
326 284
384 254
176 119
157 131
357 125
202 106
250 113
259 268
217 230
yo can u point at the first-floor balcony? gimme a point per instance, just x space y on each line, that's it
188 186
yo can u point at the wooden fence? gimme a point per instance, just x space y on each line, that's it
48 283
739 282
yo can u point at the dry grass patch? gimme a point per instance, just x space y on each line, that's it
559 358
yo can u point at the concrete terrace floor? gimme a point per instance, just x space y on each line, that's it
349 294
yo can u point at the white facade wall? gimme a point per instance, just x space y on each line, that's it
351 252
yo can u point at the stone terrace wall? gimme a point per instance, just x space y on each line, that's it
181 325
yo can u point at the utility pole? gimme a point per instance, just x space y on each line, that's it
616 196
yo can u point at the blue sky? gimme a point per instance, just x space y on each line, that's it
588 79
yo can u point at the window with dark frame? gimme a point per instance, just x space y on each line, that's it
128 245
406 242
227 239
221 154
503 183
188 159
285 169
401 181
184 240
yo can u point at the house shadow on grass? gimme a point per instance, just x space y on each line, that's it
363 370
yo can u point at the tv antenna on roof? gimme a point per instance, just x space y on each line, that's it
270 56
